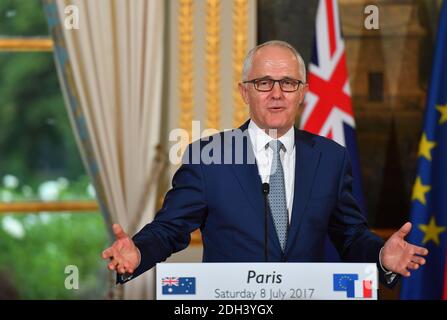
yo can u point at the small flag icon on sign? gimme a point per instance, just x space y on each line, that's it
178 285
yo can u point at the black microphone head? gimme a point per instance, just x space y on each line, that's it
265 188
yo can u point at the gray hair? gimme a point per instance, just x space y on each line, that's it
278 43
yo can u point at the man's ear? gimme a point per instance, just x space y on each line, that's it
304 91
243 90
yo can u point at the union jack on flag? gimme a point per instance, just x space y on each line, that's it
169 281
328 108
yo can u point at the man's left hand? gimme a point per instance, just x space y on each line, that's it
399 256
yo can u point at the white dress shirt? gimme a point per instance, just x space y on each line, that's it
264 157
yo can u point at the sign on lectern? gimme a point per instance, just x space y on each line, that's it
269 281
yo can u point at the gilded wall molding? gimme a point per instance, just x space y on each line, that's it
186 73
240 40
212 58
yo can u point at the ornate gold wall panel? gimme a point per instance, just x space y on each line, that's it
185 56
240 39
212 57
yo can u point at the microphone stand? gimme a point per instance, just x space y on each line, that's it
265 191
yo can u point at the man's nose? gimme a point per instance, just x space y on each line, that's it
276 90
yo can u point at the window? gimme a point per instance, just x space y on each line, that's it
40 162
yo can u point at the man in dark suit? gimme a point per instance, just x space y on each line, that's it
307 181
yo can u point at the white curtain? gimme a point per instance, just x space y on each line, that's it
111 71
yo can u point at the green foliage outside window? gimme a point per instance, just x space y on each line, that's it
35 250
22 18
36 139
39 160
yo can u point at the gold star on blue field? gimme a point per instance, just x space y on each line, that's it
432 231
425 147
443 110
419 191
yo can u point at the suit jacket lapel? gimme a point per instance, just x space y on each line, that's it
306 164
247 172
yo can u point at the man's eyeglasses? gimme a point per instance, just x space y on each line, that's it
266 84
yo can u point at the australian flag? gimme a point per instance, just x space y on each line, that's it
328 111
178 285
429 199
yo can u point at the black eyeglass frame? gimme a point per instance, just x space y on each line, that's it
255 85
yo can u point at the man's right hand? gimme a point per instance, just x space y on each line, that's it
124 256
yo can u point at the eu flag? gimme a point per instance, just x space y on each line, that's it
178 285
345 282
429 199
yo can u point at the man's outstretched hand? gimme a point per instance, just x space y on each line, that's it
124 256
400 256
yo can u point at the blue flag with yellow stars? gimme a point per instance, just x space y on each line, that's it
429 199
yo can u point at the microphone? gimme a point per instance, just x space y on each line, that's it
265 191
